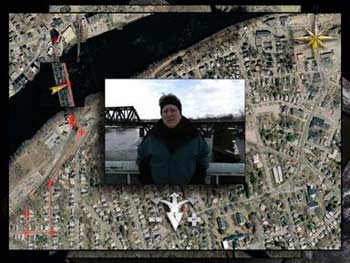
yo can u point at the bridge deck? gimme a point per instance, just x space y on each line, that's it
61 75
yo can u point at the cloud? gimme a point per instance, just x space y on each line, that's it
198 97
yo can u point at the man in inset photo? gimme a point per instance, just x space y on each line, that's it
199 139
173 152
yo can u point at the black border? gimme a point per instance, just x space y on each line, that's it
310 6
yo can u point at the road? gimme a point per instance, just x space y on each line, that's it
19 193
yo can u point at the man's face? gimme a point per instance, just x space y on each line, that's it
171 115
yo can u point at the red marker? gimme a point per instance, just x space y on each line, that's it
81 132
54 39
71 120
51 232
26 213
50 183
26 233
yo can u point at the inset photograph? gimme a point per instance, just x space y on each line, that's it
180 132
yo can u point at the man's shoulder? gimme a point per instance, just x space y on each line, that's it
148 139
202 142
198 140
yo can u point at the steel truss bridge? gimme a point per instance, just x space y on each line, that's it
128 117
61 76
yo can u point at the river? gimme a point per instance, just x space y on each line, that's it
115 54
121 145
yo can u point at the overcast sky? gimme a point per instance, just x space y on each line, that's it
198 97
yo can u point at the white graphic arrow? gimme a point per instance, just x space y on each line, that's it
174 215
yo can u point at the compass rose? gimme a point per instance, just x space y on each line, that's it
315 39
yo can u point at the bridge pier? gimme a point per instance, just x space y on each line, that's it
210 144
141 132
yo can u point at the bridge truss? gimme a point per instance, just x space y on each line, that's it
128 117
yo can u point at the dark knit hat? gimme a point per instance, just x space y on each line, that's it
169 99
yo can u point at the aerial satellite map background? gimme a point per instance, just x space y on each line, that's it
294 204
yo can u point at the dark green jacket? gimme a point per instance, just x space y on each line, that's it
173 156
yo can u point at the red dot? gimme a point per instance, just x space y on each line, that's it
51 232
50 182
71 120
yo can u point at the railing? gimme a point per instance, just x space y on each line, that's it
217 173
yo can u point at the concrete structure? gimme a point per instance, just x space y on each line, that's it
68 35
216 171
